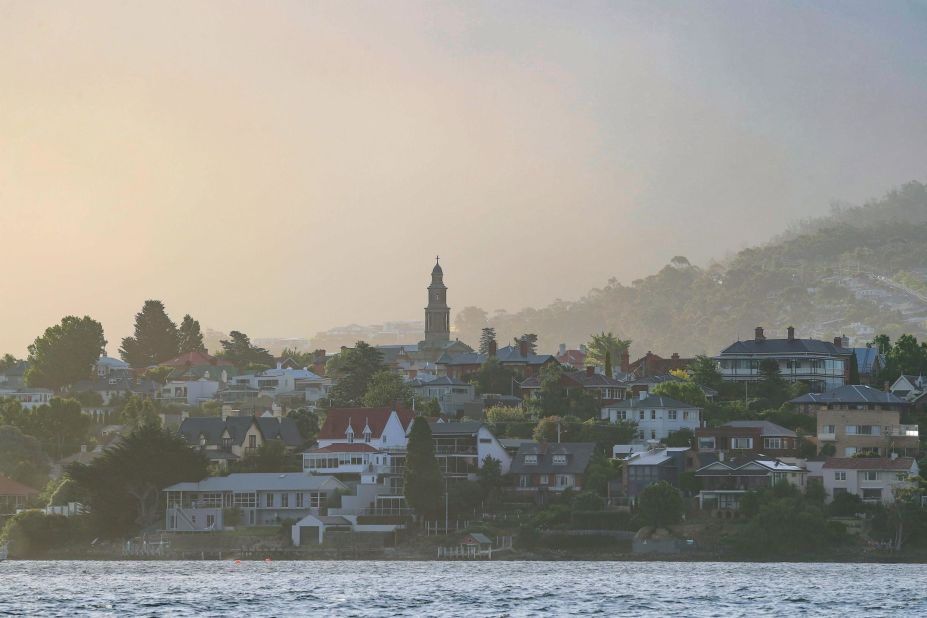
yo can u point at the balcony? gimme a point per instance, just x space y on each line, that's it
455 450
904 431
827 437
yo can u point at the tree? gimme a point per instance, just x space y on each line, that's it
556 399
660 505
602 345
490 479
486 338
355 369
386 388
772 386
60 426
122 488
883 343
8 361
65 353
493 378
156 338
22 458
189 336
307 422
608 364
682 390
469 322
139 412
599 472
705 371
530 339
237 349
680 438
431 408
422 474
270 457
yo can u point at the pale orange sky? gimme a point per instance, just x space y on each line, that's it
285 167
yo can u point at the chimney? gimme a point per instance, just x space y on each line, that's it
492 349
791 330
562 349
523 348
590 370
279 365
758 335
625 361
837 341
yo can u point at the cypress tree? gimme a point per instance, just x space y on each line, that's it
422 475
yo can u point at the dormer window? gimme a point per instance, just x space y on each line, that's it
367 436
559 460
350 436
531 460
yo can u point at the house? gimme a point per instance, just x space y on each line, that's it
821 364
189 392
913 389
461 448
14 496
297 385
656 416
860 419
642 469
196 358
263 499
28 397
575 359
452 394
14 376
311 529
724 482
873 479
634 386
748 438
230 439
604 389
653 365
542 468
113 385
520 360
381 428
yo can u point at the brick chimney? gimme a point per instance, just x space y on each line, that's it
758 335
625 361
590 370
791 331
492 349
523 348
838 341
674 362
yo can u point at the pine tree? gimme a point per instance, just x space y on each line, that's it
65 353
422 474
156 338
488 336
608 363
190 337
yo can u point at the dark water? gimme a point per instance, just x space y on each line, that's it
459 589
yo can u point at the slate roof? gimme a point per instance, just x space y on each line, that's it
740 466
767 429
786 347
261 481
508 354
578 456
651 401
869 463
455 428
442 381
212 427
337 419
118 384
866 357
851 393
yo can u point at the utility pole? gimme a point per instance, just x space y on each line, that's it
446 517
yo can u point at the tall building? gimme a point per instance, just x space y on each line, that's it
437 313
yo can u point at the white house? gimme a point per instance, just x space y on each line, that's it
190 393
28 398
656 416
872 479
282 381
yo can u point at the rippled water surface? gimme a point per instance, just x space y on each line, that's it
458 589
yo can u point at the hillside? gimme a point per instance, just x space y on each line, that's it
857 271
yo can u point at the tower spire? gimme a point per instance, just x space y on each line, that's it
437 313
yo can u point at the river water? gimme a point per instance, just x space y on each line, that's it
500 588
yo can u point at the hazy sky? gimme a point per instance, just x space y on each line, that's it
285 167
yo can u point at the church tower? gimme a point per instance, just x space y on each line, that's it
437 313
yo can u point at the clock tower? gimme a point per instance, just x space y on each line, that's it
437 313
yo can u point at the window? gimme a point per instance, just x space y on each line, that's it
872 494
653 415
840 476
741 443
849 451
671 415
706 443
560 460
299 500
285 500
685 415
828 429
772 443
367 436
544 479
485 440
641 415
564 480
901 476
210 521
653 434
621 415
870 475
252 441
268 500
524 480
531 460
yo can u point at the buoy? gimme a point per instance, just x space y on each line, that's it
238 562
267 560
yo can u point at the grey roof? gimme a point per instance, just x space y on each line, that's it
578 456
442 381
515 443
767 429
507 354
118 384
212 427
866 357
453 428
262 481
651 401
786 347
741 466
480 538
851 393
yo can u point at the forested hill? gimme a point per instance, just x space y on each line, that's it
860 266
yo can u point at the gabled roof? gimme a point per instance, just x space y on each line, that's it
786 347
194 358
651 401
747 466
9 487
212 428
851 393
867 357
338 419
261 481
578 456
869 463
767 428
